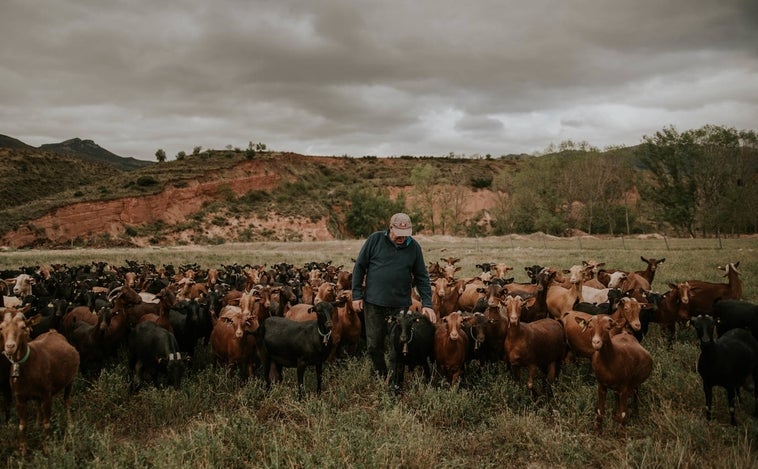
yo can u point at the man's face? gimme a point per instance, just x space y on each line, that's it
398 240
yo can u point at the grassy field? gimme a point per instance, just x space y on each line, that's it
490 421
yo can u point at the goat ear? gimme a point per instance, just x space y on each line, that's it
583 323
34 320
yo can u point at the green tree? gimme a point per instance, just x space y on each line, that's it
370 210
726 180
540 199
250 151
160 155
702 179
181 155
670 159
605 180
424 179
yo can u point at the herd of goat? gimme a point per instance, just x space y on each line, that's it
60 322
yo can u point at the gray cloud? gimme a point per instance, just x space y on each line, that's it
383 78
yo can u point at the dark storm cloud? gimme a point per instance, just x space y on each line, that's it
382 78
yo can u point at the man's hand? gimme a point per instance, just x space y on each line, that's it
357 305
429 312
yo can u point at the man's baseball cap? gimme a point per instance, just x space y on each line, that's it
401 224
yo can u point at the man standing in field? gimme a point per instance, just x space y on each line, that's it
391 263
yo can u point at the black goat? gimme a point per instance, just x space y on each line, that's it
411 344
734 314
296 344
532 271
726 362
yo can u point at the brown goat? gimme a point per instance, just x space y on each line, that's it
620 364
450 347
40 369
346 327
652 265
445 294
159 313
704 294
538 345
233 341
561 298
579 339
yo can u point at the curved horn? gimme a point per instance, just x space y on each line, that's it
113 293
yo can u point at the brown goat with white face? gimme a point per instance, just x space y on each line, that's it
40 368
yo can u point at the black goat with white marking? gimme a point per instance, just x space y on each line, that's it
296 344
411 344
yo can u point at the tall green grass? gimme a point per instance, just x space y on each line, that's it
489 421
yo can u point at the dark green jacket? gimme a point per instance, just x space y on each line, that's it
390 272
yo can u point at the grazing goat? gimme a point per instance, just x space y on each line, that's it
727 362
620 363
40 369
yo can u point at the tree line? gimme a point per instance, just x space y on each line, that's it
700 182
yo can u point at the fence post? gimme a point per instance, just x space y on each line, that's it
667 243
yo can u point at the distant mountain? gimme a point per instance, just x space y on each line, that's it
90 151
10 142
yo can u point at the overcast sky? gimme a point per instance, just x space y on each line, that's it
336 77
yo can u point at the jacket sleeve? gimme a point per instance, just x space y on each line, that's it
359 271
421 279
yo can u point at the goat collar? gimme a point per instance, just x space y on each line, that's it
16 368
405 344
325 336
